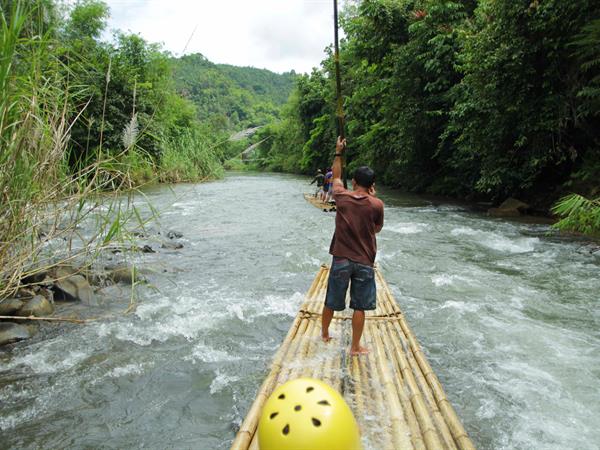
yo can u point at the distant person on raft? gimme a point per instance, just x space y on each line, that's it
358 219
319 178
327 185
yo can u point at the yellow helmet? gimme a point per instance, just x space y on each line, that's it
307 414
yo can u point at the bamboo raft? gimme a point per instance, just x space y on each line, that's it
396 398
323 206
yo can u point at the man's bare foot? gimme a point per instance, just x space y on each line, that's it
326 338
359 351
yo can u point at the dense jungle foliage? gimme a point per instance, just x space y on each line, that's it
480 99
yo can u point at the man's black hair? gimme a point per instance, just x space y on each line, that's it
364 176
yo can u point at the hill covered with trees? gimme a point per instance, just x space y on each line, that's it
231 97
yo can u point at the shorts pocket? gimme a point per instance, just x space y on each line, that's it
341 269
364 273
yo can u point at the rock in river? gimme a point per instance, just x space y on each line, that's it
172 234
10 306
123 274
14 332
509 208
38 306
172 245
76 287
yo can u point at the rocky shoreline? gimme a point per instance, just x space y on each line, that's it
42 291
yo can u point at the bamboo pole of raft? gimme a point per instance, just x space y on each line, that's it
286 368
420 386
423 430
254 443
355 372
401 432
450 417
417 377
419 405
300 364
248 428
416 433
380 407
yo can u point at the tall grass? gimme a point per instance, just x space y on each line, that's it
41 201
189 157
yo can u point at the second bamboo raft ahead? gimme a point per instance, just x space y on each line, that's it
317 203
396 398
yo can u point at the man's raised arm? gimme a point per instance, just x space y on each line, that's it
336 167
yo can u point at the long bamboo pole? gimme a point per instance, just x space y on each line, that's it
47 319
338 86
400 429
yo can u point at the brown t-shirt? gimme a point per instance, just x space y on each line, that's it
359 217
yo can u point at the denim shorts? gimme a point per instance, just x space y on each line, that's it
363 292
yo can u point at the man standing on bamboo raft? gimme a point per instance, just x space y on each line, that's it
358 219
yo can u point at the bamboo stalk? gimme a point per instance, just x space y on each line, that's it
423 387
47 319
286 368
248 427
419 406
254 443
400 429
379 404
303 356
411 416
451 418
336 380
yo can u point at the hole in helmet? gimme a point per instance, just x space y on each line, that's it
273 415
286 429
324 403
316 422
309 389
281 397
297 407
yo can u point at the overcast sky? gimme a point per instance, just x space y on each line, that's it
279 35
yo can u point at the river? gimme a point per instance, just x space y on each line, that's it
507 316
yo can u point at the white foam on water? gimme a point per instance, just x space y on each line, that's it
207 354
277 304
515 245
13 420
221 381
463 231
129 369
445 279
48 360
487 409
189 317
497 241
407 228
460 306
